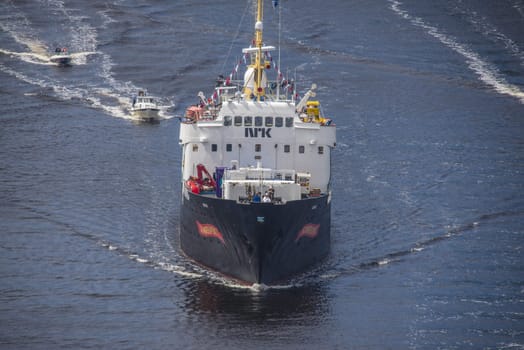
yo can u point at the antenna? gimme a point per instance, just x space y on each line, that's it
258 70
279 34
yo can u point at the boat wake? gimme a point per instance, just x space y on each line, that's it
179 270
390 258
30 57
153 260
78 58
486 72
172 262
159 259
107 94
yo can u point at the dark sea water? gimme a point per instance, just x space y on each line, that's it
428 176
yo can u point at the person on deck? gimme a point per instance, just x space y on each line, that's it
271 192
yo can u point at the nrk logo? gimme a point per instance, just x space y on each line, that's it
257 132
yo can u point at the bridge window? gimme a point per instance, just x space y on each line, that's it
301 149
279 121
229 147
214 147
289 122
269 121
248 121
227 120
258 121
195 148
287 148
238 120
258 147
320 149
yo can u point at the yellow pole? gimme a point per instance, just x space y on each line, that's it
258 43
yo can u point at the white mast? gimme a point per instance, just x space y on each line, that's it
255 80
278 61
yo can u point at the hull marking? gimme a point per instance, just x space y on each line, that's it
209 230
309 230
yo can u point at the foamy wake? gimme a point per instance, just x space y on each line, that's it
487 29
111 96
78 58
519 6
68 92
486 72
17 27
19 30
194 272
29 57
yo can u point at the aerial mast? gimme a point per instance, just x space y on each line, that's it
255 80
259 90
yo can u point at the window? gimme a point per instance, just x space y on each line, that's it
289 122
269 121
320 149
195 148
238 120
248 121
279 121
214 147
229 147
287 148
301 149
258 147
227 120
258 121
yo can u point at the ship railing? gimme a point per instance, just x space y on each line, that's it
197 113
249 200
233 89
260 174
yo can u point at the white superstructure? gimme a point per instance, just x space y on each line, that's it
249 124
252 134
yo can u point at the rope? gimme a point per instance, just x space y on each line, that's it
236 36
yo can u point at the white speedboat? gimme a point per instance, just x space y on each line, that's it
145 107
61 57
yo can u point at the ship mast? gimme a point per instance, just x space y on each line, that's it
255 79
259 90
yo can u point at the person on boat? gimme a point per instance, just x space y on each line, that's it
256 197
271 192
220 80
266 199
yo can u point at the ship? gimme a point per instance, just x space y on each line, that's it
145 107
61 57
256 174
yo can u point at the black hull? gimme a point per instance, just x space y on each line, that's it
256 242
